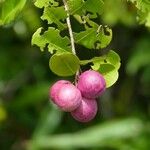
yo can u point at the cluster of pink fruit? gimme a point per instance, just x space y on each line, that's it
80 100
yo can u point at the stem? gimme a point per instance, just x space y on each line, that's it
71 35
69 28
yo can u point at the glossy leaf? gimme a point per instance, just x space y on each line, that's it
111 58
64 64
51 39
55 15
45 3
107 65
94 38
75 6
109 73
82 6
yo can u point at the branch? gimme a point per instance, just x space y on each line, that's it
69 28
71 36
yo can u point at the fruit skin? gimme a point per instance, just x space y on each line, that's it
55 88
86 111
68 98
91 84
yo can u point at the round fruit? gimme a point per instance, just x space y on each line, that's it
91 84
68 98
55 88
86 111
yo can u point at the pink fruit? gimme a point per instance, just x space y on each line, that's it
86 111
91 84
55 88
68 98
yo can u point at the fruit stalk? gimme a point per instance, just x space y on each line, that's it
70 34
69 28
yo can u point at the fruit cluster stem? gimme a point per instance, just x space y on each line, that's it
70 34
69 28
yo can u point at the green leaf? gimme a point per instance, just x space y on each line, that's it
109 73
45 3
52 39
94 6
109 134
64 64
81 7
107 65
143 7
9 9
144 18
94 38
75 6
104 36
113 58
86 38
55 15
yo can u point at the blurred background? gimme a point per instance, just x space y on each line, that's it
28 121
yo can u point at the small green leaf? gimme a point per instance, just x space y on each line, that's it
81 7
9 9
113 58
96 65
107 65
94 6
75 6
86 38
45 3
104 37
143 7
109 73
94 38
64 64
55 15
52 39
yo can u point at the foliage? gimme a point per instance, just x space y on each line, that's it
29 121
93 37
143 7
53 39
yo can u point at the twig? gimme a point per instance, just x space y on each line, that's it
71 35
69 27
